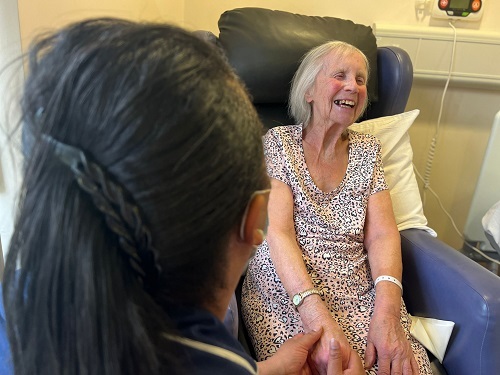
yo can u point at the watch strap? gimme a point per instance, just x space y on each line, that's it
308 292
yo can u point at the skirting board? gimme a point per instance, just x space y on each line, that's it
477 54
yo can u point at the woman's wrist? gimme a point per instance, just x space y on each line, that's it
313 301
313 313
388 305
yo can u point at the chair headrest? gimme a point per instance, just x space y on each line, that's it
265 47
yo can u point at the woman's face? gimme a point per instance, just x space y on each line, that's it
339 94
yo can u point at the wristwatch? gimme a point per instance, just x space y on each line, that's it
299 297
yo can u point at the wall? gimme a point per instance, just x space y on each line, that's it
11 78
200 14
468 112
39 16
469 107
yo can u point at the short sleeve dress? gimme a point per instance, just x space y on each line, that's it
330 232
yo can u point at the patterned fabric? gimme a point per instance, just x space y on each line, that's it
329 229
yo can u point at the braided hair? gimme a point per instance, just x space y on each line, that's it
145 152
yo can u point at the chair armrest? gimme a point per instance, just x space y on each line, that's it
440 282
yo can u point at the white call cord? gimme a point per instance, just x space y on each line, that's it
432 151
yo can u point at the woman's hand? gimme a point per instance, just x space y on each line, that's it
387 341
315 316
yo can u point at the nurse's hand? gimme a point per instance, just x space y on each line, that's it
292 357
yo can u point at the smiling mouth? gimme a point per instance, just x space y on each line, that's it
344 103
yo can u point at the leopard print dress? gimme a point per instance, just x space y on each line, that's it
329 230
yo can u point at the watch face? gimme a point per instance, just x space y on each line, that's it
297 299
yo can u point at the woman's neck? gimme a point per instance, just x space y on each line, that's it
326 140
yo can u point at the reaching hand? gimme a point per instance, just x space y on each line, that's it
291 357
354 365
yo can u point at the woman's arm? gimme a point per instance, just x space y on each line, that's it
382 241
386 338
287 255
283 248
289 264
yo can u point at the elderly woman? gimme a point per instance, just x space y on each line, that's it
332 258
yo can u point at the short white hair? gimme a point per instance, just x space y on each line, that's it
303 79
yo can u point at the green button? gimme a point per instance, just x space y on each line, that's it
465 14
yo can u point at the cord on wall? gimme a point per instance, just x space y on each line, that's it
432 147
432 152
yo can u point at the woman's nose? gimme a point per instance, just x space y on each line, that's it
351 84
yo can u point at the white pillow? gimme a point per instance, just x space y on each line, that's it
397 156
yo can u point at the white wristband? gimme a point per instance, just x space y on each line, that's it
389 278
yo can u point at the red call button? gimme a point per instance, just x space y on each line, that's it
476 5
443 4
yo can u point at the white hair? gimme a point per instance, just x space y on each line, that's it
304 77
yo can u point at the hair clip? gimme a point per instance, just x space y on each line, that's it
69 155
39 112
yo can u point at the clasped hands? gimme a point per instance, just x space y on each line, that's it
294 357
386 341
325 349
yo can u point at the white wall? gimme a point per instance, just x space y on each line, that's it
11 78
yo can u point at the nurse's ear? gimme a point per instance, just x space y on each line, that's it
254 221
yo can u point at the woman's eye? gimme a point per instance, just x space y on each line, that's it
361 81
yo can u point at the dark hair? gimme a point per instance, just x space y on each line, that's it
172 155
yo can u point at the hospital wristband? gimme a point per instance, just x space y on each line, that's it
389 278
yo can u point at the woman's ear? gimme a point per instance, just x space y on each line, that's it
254 222
309 95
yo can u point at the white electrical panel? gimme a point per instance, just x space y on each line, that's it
463 10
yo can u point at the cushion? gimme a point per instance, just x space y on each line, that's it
265 47
491 226
397 157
